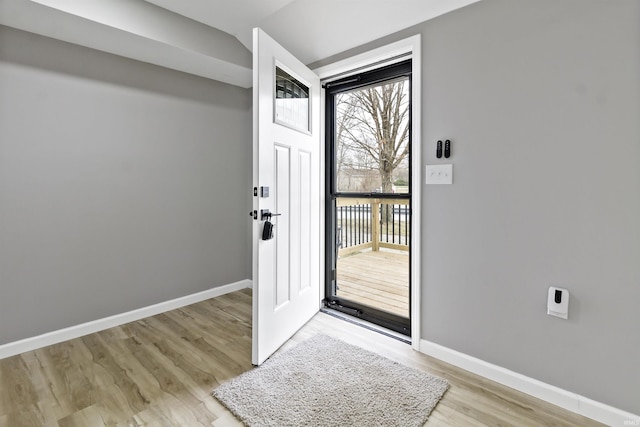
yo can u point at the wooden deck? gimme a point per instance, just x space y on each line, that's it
377 279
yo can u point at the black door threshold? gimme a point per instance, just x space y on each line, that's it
367 325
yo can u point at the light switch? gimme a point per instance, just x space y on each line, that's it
439 174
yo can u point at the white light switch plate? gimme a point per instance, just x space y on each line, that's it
439 174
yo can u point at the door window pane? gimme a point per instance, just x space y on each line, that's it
292 101
372 139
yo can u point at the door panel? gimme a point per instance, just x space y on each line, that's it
286 268
306 218
282 224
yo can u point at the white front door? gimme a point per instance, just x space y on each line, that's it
286 177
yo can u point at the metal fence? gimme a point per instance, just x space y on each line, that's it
375 223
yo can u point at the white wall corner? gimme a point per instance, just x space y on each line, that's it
565 399
54 337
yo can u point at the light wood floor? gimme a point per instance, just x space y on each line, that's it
159 372
378 279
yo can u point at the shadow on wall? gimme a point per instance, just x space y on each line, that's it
32 50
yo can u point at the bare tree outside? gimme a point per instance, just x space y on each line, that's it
370 149
372 134
371 155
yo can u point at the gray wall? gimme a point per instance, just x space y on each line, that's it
122 184
542 102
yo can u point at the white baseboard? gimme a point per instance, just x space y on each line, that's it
565 399
54 337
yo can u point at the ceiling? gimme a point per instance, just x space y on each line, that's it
213 38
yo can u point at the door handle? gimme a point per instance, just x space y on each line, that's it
265 214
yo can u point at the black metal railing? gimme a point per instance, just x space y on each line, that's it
395 224
372 224
354 222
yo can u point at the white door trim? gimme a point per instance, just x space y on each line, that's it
400 50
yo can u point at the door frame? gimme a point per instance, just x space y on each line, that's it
386 55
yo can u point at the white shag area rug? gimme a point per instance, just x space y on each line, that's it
324 381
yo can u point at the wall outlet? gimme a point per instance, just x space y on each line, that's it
558 302
439 174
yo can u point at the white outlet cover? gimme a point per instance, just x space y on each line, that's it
439 174
558 309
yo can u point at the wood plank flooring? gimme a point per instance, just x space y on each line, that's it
378 279
160 371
